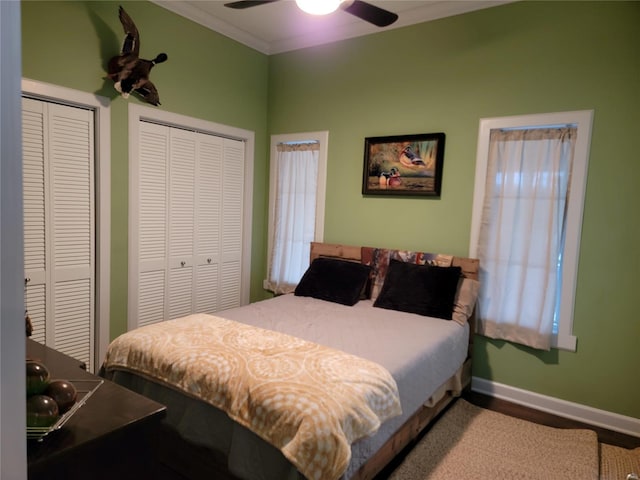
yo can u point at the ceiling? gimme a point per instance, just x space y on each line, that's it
280 26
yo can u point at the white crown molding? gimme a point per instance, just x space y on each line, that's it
424 13
190 11
556 406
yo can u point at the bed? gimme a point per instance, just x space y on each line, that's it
363 314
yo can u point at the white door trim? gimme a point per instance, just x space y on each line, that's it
13 452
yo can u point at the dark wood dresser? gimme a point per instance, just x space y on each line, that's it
107 437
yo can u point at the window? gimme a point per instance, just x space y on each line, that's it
530 181
296 205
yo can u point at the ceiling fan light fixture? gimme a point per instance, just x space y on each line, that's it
318 7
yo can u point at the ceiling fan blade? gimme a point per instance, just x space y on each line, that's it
370 13
247 3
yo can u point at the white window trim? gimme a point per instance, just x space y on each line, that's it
583 120
102 122
322 137
138 113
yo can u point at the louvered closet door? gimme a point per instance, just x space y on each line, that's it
189 223
182 193
34 205
59 221
153 215
209 223
218 231
232 195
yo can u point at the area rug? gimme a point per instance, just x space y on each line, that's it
619 463
470 442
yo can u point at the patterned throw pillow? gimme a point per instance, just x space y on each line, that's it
378 259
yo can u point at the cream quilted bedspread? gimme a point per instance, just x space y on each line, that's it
308 400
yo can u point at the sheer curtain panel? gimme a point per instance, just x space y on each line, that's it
295 214
522 233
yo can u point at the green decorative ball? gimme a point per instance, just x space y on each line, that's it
42 411
38 377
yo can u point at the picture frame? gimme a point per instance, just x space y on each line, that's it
403 165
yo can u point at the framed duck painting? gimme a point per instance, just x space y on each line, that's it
403 165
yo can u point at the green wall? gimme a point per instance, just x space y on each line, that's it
444 76
521 58
207 76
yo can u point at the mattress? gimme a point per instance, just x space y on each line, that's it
421 353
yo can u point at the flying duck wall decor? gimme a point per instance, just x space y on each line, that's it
130 72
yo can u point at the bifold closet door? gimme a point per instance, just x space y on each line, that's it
232 234
59 226
188 210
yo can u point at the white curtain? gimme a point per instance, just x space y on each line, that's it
295 215
522 233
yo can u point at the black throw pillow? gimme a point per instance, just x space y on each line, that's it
334 280
423 289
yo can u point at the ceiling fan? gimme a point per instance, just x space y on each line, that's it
363 10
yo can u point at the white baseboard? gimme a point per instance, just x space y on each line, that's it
556 406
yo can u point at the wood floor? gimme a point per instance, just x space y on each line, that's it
543 418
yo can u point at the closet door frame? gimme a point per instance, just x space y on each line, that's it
138 113
102 141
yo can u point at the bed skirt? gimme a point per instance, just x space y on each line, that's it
207 429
